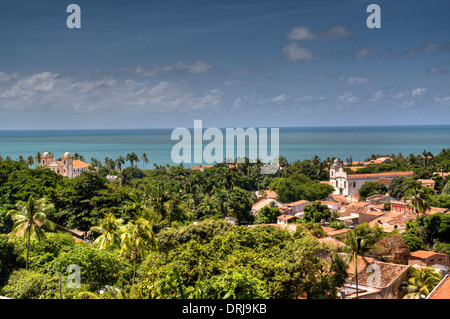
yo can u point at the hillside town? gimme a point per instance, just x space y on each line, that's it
370 223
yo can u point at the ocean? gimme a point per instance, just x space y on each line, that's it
294 142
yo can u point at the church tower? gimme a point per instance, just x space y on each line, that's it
45 159
339 178
67 164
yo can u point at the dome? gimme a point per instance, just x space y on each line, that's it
45 154
66 154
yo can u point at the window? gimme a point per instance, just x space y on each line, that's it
345 184
354 184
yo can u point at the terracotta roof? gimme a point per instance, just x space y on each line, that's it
325 182
435 210
340 199
373 162
442 290
424 254
384 180
80 164
286 217
384 174
324 202
427 181
261 203
388 272
300 202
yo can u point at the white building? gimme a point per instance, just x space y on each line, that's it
67 166
348 184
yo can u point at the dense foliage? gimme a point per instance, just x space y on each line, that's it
161 233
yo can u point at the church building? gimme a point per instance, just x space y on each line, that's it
348 184
67 166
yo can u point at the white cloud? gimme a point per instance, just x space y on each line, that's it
280 98
295 53
347 97
418 92
179 67
442 99
363 53
302 33
49 92
357 80
377 96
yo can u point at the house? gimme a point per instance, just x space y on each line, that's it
294 207
347 184
376 279
68 166
111 178
265 202
285 219
425 258
428 183
357 213
405 206
338 234
442 290
332 206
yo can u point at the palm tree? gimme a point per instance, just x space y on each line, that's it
30 160
418 198
137 240
21 159
132 157
421 282
356 244
37 158
137 205
222 196
119 162
206 206
145 159
109 228
30 218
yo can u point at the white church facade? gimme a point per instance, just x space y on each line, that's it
348 184
67 166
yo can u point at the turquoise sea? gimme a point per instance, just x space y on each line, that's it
294 142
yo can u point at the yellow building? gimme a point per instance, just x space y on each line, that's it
67 166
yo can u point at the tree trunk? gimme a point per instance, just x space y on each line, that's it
28 247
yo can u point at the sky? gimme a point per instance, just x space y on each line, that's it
265 63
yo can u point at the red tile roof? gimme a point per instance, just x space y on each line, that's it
442 290
384 174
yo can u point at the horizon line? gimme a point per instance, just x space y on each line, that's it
171 128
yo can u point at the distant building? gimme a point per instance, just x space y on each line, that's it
429 259
67 166
348 184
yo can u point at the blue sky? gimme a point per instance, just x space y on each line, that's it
146 64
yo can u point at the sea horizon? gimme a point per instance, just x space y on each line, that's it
295 143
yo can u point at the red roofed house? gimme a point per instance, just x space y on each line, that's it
347 184
429 258
295 207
